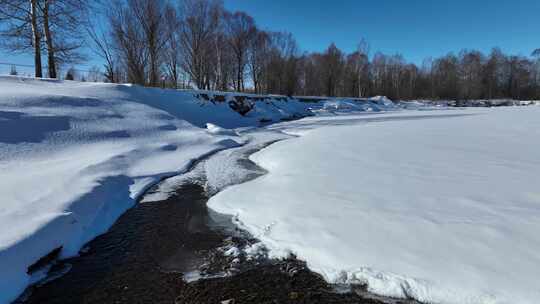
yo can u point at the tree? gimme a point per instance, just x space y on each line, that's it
446 71
149 14
536 71
63 23
199 21
129 41
172 49
280 73
240 30
13 71
102 46
491 74
362 67
94 74
471 63
224 62
259 50
51 61
70 74
21 30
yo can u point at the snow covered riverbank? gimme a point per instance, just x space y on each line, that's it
74 156
441 207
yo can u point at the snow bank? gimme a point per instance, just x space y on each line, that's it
445 210
74 156
255 109
223 169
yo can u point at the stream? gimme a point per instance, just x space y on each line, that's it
149 253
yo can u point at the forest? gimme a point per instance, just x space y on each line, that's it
199 44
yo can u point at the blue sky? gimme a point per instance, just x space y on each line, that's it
414 28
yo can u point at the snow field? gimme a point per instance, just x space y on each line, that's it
443 207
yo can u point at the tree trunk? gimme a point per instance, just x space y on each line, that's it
238 79
154 77
51 61
37 39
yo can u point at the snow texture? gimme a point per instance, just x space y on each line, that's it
223 169
441 206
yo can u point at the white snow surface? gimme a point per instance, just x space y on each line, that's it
442 206
74 156
223 169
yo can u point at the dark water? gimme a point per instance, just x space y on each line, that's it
141 258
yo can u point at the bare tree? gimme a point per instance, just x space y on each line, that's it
536 71
240 29
258 53
102 46
362 67
199 22
94 74
71 74
281 74
333 67
149 14
224 62
13 71
63 24
51 62
21 30
129 41
172 49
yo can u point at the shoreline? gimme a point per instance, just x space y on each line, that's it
172 251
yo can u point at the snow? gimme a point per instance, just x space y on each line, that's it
349 105
442 206
215 129
74 156
223 169
439 205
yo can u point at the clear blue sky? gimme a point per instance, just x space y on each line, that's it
414 28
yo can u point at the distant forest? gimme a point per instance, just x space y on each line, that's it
199 44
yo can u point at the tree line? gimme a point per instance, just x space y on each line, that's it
200 44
